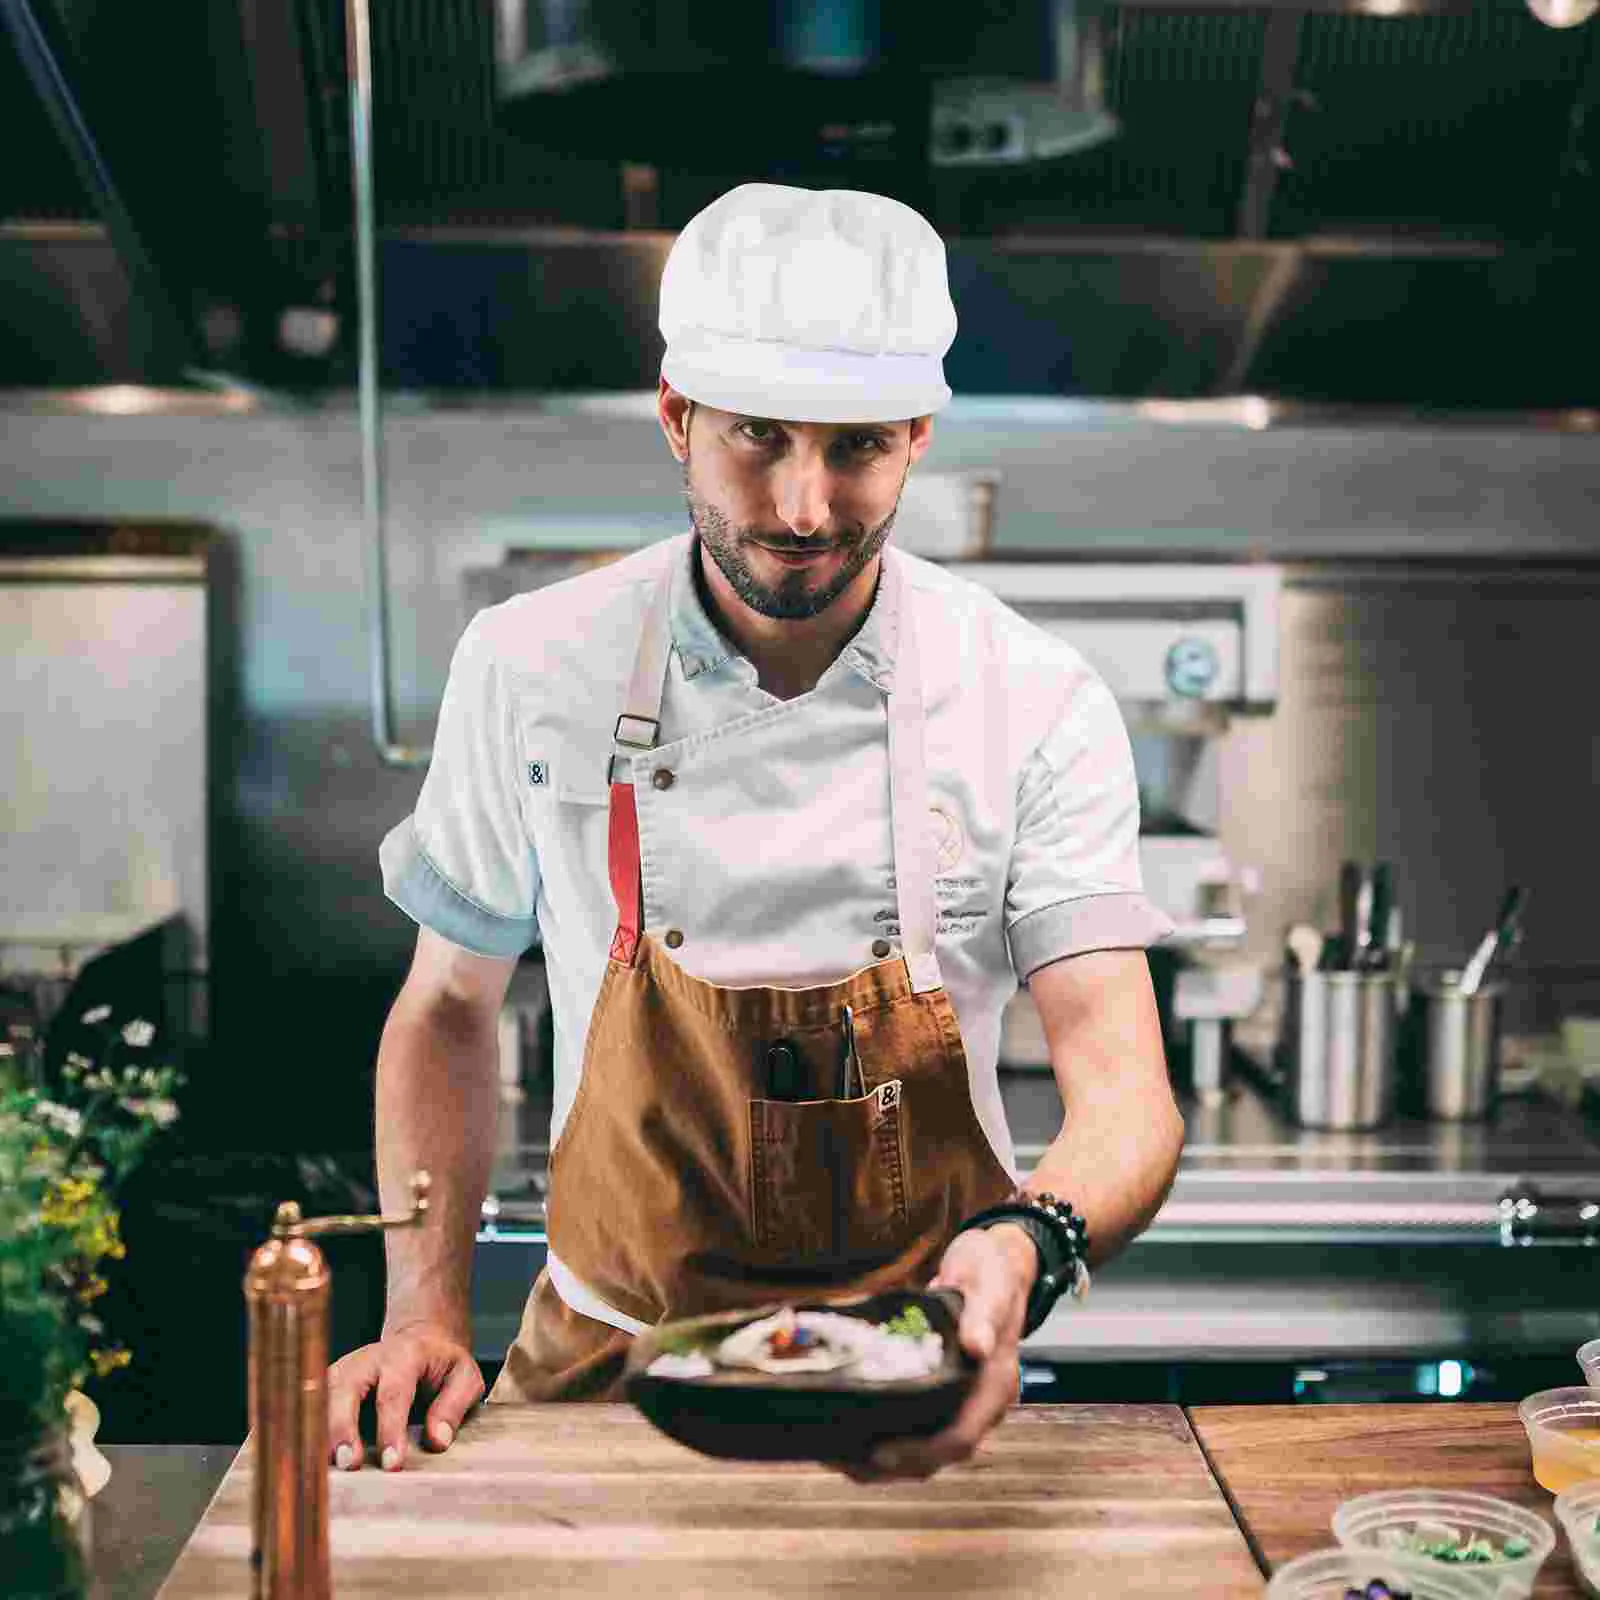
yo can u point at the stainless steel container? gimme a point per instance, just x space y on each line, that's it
1460 1036
1341 1041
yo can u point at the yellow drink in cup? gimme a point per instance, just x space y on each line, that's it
1563 1427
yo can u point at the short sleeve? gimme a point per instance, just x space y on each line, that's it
462 863
1074 884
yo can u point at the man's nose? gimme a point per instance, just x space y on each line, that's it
803 494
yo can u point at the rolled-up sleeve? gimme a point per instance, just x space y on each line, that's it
462 863
1074 884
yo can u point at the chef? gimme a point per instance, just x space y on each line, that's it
792 814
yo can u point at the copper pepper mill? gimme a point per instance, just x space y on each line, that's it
287 1290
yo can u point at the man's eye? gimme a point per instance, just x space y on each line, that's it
866 444
759 432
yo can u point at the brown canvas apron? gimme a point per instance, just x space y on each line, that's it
677 1184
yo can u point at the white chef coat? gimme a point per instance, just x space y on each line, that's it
777 875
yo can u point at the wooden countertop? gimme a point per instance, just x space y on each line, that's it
1286 1468
588 1500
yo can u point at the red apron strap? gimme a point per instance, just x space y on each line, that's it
626 889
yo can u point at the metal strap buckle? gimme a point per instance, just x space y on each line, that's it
632 744
637 744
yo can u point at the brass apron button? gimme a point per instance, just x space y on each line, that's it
674 938
662 778
880 948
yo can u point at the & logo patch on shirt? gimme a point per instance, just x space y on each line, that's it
538 773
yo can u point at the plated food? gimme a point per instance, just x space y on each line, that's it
790 1341
819 1381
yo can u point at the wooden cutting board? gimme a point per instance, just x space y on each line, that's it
587 1500
1286 1468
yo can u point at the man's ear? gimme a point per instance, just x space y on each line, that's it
673 411
921 437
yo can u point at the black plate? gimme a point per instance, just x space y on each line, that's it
812 1416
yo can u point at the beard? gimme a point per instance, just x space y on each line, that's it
792 597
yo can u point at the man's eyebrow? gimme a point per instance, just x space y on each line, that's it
838 427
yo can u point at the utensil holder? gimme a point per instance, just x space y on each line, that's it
1340 1032
1460 1035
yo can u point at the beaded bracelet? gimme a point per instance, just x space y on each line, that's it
1061 1237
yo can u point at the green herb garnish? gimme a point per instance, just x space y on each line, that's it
910 1323
1447 1544
680 1344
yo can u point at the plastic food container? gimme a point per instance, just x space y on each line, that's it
1331 1574
1563 1435
1577 1509
1366 1522
1589 1360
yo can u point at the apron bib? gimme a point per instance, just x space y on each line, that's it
680 1184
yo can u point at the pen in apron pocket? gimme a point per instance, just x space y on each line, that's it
850 1066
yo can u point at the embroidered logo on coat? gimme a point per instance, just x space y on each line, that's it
538 774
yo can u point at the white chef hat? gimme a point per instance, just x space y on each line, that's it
808 305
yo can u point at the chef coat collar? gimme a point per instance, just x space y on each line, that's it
702 648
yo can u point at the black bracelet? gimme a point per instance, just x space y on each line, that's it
1060 1236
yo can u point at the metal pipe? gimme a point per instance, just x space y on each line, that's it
358 24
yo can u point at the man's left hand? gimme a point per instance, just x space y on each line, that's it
994 1268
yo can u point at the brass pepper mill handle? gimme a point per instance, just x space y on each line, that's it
287 1289
287 1223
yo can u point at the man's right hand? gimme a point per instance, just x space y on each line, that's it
423 1355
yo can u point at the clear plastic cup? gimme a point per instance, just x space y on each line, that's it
1563 1427
1578 1512
1331 1574
1589 1360
1370 1522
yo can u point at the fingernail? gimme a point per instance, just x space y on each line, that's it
343 1456
391 1458
443 1433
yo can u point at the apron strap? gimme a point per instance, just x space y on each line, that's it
914 863
639 728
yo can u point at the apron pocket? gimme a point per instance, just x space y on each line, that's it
827 1177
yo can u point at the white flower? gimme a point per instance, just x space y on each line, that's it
139 1033
161 1112
99 1014
64 1118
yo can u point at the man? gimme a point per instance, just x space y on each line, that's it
792 813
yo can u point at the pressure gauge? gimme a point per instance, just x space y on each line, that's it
1192 667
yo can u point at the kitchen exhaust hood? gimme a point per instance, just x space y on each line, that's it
1329 203
839 90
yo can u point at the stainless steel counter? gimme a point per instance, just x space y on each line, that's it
1249 1175
143 1517
1276 1244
